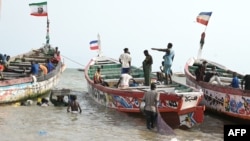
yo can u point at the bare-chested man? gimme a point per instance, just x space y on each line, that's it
74 105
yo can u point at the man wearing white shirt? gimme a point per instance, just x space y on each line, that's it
125 60
124 80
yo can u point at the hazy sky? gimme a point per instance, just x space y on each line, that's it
135 24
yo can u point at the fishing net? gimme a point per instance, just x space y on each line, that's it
162 127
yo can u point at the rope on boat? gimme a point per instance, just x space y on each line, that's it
73 61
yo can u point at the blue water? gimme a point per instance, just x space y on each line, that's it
30 123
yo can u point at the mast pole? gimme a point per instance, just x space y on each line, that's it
47 33
99 45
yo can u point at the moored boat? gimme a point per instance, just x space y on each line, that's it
18 85
179 103
220 98
18 82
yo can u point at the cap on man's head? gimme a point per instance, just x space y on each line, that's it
125 49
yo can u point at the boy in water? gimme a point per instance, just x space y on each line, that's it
74 105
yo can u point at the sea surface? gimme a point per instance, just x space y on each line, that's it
95 123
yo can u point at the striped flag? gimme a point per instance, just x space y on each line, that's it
94 45
39 9
203 18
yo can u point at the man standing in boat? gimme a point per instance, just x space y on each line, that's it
169 47
147 67
125 60
168 61
151 99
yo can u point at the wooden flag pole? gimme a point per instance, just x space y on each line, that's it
99 45
47 33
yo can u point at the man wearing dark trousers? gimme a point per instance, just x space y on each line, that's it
151 99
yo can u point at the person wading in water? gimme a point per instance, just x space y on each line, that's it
74 106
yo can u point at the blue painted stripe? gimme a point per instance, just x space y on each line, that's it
93 42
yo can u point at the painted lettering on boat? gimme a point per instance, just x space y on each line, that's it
229 103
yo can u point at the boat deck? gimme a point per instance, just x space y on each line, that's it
111 72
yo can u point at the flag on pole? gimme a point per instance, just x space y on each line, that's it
94 45
39 9
203 18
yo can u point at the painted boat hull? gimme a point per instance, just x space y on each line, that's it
178 110
19 89
231 102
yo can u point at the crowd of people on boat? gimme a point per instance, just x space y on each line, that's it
210 76
165 75
151 98
37 68
50 63
213 76
41 68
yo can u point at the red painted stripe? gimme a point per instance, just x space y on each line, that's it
37 14
94 47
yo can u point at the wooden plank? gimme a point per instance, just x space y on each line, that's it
34 59
38 57
20 64
18 67
13 74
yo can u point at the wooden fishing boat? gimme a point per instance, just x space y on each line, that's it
179 103
223 99
18 85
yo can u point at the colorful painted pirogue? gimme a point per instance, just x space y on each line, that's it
17 85
224 99
179 104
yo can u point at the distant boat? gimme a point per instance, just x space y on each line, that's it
179 74
223 99
17 85
80 69
179 103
